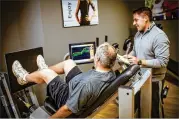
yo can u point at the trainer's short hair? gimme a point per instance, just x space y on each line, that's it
144 10
106 54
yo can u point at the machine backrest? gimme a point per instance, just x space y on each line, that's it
122 79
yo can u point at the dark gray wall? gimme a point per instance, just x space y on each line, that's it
171 28
21 29
21 26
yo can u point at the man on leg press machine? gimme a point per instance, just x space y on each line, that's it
80 89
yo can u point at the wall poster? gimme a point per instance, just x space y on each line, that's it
163 9
80 12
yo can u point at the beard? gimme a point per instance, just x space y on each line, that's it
140 29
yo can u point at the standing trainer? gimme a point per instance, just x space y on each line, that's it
151 50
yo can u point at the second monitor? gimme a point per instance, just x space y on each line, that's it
82 52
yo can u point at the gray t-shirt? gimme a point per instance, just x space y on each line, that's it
86 87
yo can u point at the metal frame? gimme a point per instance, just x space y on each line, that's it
5 103
12 103
127 94
33 97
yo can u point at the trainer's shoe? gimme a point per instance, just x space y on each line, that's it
19 72
41 63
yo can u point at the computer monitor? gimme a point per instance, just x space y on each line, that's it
28 60
82 53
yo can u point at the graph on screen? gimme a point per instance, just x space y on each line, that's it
82 52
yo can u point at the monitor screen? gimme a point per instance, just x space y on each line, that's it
82 52
27 58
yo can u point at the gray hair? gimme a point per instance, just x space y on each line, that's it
106 54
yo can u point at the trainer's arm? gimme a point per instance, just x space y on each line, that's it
62 112
161 51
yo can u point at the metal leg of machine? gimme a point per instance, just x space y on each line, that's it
11 101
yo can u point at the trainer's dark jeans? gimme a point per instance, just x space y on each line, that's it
157 107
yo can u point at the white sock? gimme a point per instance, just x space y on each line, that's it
24 78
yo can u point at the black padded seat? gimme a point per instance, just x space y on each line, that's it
50 105
121 79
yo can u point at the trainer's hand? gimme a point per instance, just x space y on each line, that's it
132 59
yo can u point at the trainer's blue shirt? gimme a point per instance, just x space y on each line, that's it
86 87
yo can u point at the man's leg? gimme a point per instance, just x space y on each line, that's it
57 89
63 67
161 110
48 74
42 76
45 75
156 99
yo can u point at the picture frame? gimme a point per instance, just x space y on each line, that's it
163 9
80 13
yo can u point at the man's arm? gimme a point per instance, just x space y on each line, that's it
75 104
132 52
62 112
161 50
78 99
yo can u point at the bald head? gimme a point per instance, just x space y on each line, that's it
106 55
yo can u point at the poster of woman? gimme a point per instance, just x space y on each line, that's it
80 12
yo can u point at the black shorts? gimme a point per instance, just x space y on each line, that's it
58 89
